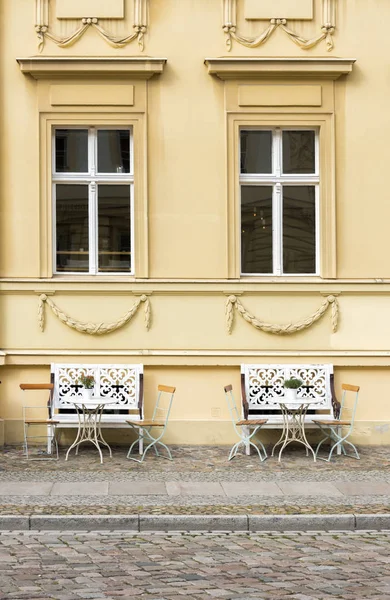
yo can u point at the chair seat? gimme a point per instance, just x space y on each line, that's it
41 422
252 422
334 422
146 423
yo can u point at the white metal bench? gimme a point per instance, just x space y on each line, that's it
122 383
262 388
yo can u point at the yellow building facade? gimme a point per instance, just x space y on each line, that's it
177 173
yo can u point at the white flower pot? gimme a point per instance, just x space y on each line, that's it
87 393
290 395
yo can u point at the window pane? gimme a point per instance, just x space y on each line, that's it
256 151
298 152
71 150
113 151
72 228
114 228
256 229
299 229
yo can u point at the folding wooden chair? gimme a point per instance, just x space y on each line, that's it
32 418
243 427
338 430
158 421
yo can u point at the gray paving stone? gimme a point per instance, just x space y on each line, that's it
309 488
25 488
137 488
301 522
264 488
184 488
363 488
78 488
193 523
84 522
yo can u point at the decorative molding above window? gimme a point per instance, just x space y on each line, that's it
46 67
43 28
236 68
279 21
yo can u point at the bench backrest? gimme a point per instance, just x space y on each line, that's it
123 383
263 385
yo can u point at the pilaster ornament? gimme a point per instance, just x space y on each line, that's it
43 31
327 29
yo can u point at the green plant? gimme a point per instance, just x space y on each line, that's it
88 381
293 383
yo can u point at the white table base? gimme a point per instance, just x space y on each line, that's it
89 429
293 428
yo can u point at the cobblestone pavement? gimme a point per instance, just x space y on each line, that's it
267 566
197 465
203 463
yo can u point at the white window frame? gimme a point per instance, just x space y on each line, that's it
92 178
276 179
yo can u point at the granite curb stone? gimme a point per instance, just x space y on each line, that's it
213 523
301 522
372 521
85 522
193 522
14 523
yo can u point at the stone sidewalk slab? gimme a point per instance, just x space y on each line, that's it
255 488
185 488
137 488
309 488
80 489
25 488
363 488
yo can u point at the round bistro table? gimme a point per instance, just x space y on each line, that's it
294 414
89 413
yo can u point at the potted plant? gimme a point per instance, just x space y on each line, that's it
88 381
291 387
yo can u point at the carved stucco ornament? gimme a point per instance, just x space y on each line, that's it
233 303
327 29
43 31
92 328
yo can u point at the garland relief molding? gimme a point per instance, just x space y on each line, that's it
92 328
234 303
43 29
279 21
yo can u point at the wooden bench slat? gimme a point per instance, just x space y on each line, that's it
332 422
146 423
252 422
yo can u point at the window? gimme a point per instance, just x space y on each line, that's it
93 182
279 190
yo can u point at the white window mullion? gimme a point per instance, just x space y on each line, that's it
277 138
93 218
54 226
132 228
317 225
277 236
92 151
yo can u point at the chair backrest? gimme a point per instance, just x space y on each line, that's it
234 414
40 386
163 403
349 413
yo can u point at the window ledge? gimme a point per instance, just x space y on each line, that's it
235 68
41 67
